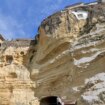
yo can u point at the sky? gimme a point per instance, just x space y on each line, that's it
21 18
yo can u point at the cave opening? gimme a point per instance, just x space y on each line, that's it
9 59
51 100
55 100
22 53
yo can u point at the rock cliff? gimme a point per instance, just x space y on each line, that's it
67 59
16 87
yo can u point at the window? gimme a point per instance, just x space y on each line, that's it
13 75
80 15
9 59
22 53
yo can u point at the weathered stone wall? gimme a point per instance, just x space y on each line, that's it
16 87
65 53
69 51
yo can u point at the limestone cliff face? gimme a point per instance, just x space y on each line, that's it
70 50
66 59
16 87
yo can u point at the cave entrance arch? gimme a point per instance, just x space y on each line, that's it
51 100
55 100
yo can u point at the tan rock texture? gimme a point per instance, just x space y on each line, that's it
66 52
69 52
16 87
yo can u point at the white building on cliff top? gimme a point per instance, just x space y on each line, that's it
80 14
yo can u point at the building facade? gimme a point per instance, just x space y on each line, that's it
80 14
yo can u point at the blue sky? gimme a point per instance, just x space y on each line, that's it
21 18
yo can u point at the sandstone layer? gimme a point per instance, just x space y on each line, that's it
66 59
16 87
70 50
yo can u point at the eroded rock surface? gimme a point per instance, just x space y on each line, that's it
68 49
16 87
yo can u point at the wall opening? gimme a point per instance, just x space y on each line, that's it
13 75
31 58
55 100
34 51
9 59
22 53
51 100
80 14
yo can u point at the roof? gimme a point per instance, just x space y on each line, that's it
1 37
74 4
